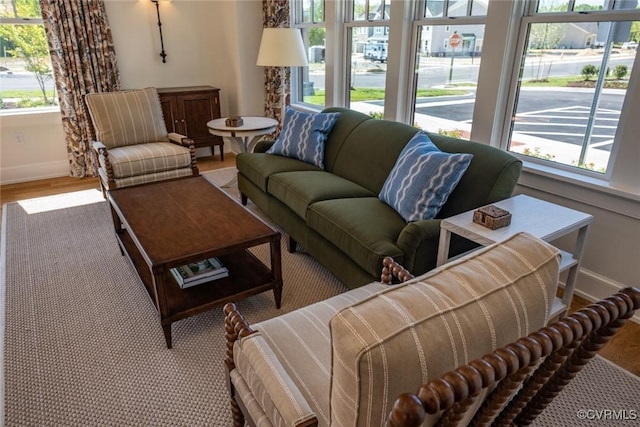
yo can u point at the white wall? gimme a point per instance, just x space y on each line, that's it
42 153
207 43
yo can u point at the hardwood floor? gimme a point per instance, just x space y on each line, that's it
623 350
49 187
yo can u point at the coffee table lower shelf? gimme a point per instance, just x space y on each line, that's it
247 276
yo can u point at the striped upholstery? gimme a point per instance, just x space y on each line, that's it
133 144
350 356
150 177
400 339
143 159
301 341
127 117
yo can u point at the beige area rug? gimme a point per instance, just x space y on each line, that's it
83 345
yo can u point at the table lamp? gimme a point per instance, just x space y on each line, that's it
282 47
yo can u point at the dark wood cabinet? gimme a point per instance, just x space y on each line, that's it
187 110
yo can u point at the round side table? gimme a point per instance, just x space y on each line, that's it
248 134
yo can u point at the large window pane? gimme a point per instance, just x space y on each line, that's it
368 69
313 77
572 85
312 10
364 10
447 77
26 77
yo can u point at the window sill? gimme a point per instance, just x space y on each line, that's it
31 116
584 189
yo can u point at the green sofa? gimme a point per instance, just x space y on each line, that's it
335 213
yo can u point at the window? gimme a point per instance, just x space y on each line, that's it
25 71
572 82
448 62
395 59
367 54
308 83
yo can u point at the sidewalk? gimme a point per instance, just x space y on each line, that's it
563 152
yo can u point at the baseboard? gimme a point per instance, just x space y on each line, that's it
594 287
34 172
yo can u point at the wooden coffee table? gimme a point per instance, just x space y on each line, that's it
171 223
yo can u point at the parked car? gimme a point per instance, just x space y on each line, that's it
630 45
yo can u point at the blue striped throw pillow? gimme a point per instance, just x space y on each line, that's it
422 179
303 136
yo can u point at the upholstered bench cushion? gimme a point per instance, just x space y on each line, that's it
365 228
301 345
299 189
399 339
127 117
141 159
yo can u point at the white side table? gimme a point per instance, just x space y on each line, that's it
542 219
247 135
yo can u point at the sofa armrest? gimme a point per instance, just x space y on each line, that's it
251 357
99 147
180 139
185 141
263 146
392 270
270 381
419 243
103 160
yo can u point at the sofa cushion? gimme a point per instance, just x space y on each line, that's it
369 152
142 159
401 338
299 189
258 167
303 136
127 117
365 228
422 179
301 342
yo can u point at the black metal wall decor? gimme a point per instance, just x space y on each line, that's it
162 52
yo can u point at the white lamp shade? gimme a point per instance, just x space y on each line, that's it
282 47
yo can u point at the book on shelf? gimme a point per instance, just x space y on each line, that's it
199 272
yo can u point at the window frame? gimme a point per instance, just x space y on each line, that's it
530 17
30 110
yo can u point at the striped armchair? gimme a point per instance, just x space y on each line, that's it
133 145
344 361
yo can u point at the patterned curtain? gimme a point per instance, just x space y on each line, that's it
275 14
84 61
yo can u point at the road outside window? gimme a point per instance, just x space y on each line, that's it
573 82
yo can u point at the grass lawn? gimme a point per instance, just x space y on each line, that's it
375 94
573 81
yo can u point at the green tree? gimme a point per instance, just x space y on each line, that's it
29 43
620 71
316 36
588 71
634 34
545 36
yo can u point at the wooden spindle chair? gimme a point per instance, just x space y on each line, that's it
519 380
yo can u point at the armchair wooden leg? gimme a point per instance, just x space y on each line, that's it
244 199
